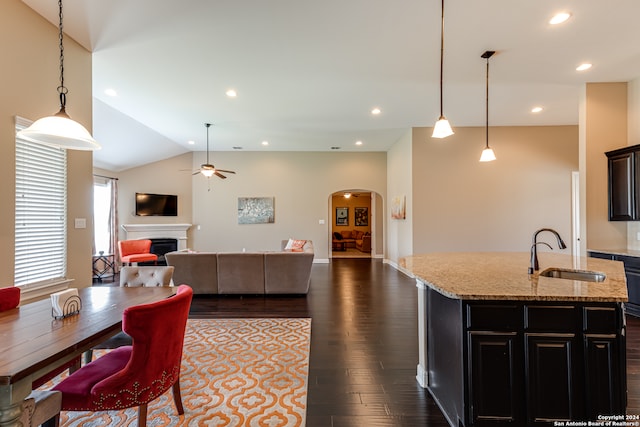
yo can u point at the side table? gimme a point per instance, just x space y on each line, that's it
103 266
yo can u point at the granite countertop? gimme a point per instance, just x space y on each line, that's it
626 252
503 276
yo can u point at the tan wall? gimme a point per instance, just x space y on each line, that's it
606 129
460 204
400 184
170 176
30 71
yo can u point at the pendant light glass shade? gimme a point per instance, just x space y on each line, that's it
59 130
207 172
442 128
487 155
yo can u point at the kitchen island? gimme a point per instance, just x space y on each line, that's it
499 346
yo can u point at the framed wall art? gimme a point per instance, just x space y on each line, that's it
361 216
342 216
256 210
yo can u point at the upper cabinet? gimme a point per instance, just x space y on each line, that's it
624 184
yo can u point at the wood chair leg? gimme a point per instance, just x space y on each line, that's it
142 415
177 398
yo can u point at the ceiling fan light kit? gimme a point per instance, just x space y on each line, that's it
59 130
207 169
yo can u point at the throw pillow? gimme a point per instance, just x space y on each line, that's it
337 235
294 245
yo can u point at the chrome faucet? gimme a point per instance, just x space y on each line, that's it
534 251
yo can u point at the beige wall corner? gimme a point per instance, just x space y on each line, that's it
31 70
605 122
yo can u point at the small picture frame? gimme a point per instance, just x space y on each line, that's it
361 217
342 216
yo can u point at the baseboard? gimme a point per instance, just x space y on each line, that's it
321 261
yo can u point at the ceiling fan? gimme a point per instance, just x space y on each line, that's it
207 169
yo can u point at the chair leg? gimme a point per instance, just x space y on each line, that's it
142 415
88 356
177 398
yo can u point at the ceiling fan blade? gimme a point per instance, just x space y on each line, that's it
222 170
219 175
195 173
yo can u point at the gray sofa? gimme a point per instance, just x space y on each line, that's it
244 272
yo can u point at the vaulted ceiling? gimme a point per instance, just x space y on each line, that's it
308 73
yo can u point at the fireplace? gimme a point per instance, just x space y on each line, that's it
178 232
161 246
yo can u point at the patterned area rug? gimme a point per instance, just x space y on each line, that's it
235 372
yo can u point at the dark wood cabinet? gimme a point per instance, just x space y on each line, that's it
632 272
624 184
525 362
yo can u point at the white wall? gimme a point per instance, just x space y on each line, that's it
399 184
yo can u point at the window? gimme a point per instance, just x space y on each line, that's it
41 212
101 214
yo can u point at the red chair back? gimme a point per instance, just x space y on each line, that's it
157 330
131 247
9 298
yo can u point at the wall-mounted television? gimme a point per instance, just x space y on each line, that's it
156 204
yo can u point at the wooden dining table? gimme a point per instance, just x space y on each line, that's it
34 343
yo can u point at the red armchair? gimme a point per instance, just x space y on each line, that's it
135 251
135 375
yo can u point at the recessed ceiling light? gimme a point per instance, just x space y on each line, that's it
231 93
536 109
335 148
358 142
111 92
583 67
376 111
265 143
559 18
237 148
191 142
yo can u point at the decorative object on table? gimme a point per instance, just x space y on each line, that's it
65 303
59 130
256 210
127 376
342 216
362 217
207 169
398 208
9 298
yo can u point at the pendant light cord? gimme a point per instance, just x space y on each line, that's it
487 105
441 59
62 90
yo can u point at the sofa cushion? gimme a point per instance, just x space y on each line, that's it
346 234
359 235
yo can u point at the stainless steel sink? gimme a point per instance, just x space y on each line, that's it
566 273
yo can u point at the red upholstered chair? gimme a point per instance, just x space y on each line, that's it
135 375
135 251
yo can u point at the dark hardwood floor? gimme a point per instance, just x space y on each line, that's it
364 344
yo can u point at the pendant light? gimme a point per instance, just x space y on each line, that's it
442 128
487 154
59 130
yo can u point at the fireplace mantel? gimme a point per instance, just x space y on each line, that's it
150 231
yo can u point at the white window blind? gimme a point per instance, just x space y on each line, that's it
41 212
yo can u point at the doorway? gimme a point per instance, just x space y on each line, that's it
354 230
